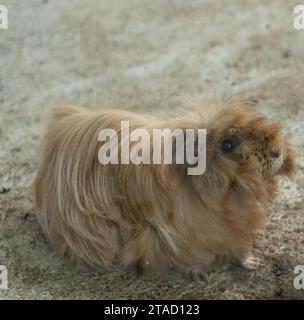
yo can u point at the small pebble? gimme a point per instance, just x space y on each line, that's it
5 190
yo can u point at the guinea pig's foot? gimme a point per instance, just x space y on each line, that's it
195 274
252 263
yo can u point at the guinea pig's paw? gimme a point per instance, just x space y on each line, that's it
195 275
252 263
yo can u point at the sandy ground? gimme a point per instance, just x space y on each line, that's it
140 54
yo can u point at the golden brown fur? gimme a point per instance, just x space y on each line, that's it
156 217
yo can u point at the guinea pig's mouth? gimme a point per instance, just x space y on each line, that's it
278 161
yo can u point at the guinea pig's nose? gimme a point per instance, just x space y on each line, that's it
276 154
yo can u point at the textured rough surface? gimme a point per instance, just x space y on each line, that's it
140 54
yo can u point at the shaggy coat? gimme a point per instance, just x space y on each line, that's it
156 217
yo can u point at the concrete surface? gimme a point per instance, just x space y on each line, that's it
142 54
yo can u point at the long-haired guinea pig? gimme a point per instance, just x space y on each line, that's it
157 217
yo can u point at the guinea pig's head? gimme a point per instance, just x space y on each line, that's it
242 138
244 153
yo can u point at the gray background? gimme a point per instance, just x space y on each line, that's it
138 54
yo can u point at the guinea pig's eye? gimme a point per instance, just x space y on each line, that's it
227 146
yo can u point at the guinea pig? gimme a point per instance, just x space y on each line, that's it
156 217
